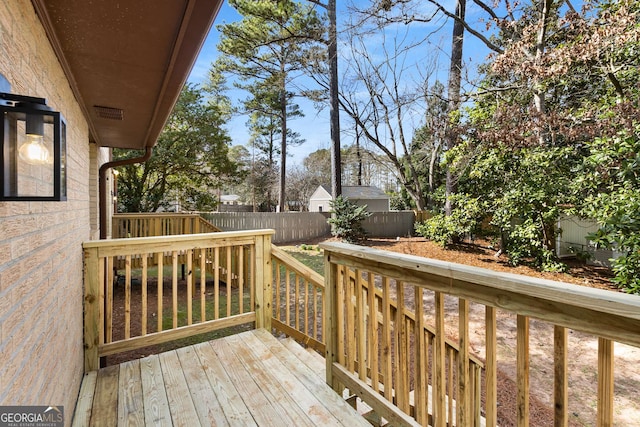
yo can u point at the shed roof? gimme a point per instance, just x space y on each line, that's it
359 192
363 192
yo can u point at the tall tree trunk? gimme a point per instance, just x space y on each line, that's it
544 10
271 144
334 112
435 155
283 150
455 78
358 156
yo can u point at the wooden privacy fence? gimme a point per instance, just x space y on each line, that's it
128 225
300 226
401 367
228 276
289 226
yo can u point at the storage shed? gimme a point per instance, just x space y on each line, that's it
375 199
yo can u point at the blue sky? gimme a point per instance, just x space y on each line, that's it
314 127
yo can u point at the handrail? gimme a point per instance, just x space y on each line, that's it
304 271
607 315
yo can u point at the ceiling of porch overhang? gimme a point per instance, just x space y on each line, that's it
127 60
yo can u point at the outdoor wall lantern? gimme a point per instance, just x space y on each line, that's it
33 155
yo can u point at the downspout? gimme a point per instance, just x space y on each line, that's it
102 181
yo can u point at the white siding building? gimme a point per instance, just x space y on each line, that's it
375 199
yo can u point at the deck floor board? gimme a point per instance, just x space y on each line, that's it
156 405
247 379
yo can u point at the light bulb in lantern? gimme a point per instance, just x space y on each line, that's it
33 150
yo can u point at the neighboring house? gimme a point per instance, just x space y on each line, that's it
230 199
233 203
573 241
375 199
114 70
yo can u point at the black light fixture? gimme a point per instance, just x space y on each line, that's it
33 155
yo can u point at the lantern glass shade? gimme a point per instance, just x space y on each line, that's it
33 154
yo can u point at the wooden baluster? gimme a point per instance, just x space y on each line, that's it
174 288
605 382
160 261
477 393
241 278
386 337
439 364
127 297
341 312
252 279
464 389
216 283
203 285
491 411
190 287
143 321
522 351
361 332
229 280
560 382
401 372
287 292
158 227
422 359
372 329
108 262
296 306
316 314
350 327
306 307
450 391
278 286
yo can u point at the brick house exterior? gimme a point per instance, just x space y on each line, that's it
40 242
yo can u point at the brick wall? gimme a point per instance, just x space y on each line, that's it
40 242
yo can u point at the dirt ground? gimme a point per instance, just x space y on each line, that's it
582 347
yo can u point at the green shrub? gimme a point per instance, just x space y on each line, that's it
445 230
524 244
346 220
438 228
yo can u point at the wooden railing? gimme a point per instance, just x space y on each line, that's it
128 225
229 271
401 370
298 305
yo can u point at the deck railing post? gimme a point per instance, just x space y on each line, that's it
92 302
330 326
263 282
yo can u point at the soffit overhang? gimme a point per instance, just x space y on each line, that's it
127 61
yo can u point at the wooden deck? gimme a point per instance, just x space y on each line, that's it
249 379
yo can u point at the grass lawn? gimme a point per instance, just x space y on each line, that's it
310 255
